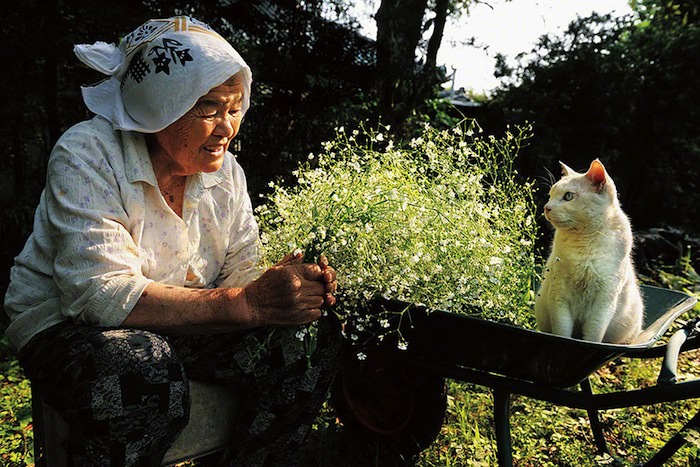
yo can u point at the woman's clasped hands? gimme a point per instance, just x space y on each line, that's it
292 292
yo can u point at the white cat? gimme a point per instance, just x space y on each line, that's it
589 290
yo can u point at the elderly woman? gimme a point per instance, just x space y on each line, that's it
142 269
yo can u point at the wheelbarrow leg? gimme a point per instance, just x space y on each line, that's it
594 420
501 416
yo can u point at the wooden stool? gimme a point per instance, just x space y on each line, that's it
210 428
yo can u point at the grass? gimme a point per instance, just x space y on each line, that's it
16 435
543 434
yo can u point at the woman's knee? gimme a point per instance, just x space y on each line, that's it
137 354
133 368
112 386
102 373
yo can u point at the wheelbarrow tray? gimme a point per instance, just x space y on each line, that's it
530 355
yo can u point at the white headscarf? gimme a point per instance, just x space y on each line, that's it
158 73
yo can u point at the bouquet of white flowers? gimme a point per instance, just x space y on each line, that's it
442 221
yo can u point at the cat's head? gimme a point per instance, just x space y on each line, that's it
581 201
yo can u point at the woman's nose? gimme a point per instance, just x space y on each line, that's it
225 128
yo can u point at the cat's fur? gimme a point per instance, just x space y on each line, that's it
589 290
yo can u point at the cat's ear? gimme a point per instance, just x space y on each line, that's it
566 170
596 175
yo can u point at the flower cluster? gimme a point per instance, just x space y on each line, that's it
441 221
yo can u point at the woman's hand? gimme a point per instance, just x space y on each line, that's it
291 292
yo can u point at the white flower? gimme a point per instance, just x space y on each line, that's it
413 222
415 142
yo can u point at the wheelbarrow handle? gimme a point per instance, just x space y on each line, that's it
668 375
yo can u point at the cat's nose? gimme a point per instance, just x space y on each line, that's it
547 209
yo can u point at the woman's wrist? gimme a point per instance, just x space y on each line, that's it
238 307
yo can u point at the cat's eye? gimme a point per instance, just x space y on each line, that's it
569 195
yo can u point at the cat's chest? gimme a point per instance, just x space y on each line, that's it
577 270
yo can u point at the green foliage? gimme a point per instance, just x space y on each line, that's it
438 113
547 435
625 90
442 220
16 435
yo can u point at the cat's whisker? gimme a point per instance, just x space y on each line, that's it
551 178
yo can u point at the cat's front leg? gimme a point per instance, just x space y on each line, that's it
562 320
597 320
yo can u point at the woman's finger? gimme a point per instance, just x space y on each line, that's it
311 272
329 299
323 262
329 275
290 258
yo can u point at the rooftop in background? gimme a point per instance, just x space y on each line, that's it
459 98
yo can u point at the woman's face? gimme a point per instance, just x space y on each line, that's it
198 141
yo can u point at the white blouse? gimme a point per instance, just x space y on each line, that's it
103 232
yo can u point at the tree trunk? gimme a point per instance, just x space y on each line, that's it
399 28
403 84
441 7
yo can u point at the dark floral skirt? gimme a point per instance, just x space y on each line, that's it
125 397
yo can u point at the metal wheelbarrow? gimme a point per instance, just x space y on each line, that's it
399 397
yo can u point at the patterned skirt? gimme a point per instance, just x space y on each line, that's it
124 392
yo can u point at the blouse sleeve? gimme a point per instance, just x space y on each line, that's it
96 267
242 263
